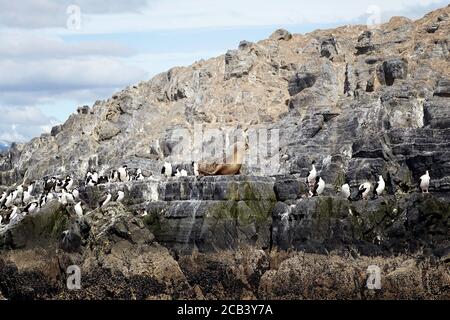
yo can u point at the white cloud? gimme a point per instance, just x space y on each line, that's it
53 13
66 74
19 124
38 67
23 116
182 14
21 44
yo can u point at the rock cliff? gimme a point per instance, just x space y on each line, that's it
359 102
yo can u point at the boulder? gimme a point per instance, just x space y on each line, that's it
281 34
392 69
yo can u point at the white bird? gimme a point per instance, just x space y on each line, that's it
94 177
345 191
364 190
114 176
4 195
425 182
30 208
15 195
120 196
69 197
167 169
76 194
312 176
30 188
195 165
79 209
379 186
68 184
42 201
320 187
105 200
123 173
19 190
140 177
62 199
59 185
88 178
183 173
9 200
13 214
26 197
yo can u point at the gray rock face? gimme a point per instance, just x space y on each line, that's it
383 225
281 34
443 88
301 81
391 70
335 95
238 64
437 113
360 103
207 213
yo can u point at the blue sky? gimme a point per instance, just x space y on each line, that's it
56 55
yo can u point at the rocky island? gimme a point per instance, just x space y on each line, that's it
357 102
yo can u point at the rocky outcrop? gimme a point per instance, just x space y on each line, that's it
360 103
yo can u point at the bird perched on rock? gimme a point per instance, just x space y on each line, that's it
3 198
26 197
364 190
425 182
167 169
59 185
195 166
105 199
14 213
319 187
123 173
114 176
379 187
30 187
92 179
76 194
345 191
10 199
181 173
103 180
31 207
19 190
49 184
68 183
312 176
68 196
120 196
78 209
62 199
139 175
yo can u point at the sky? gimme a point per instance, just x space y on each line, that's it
56 55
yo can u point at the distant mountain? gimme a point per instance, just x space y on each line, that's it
4 145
